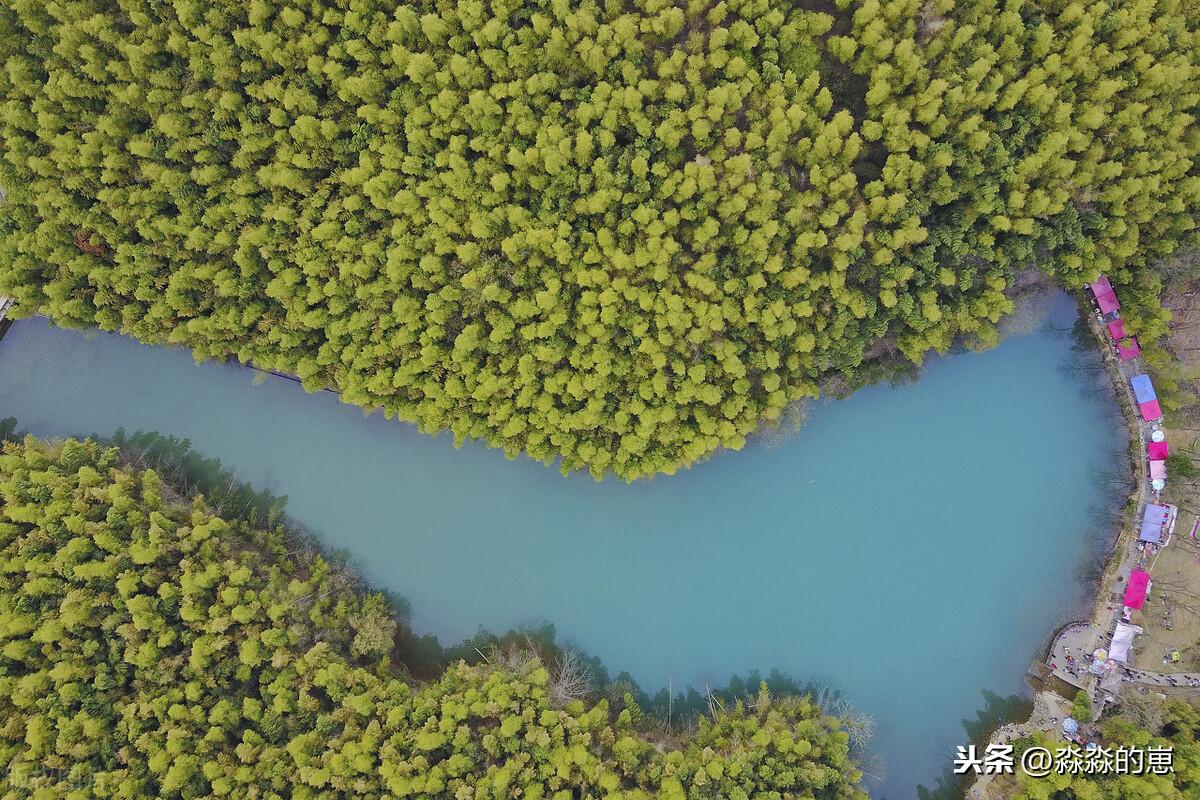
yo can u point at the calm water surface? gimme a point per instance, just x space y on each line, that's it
912 547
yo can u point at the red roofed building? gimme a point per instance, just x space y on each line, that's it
1137 589
1128 349
1106 298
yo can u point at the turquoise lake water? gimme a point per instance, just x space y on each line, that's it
912 547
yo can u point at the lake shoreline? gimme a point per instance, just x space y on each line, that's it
1051 705
882 365
915 410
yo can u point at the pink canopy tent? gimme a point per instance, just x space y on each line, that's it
1135 590
1150 410
1106 298
1157 451
1116 329
1128 349
1158 470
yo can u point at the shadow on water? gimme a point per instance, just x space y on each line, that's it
1088 367
8 430
996 712
192 473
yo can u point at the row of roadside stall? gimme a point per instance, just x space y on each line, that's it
1126 346
1145 397
1156 519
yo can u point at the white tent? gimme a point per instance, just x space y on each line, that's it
1122 641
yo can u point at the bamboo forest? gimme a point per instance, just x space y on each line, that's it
306 305
613 236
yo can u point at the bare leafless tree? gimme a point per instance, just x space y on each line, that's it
1183 265
786 427
571 679
1177 594
514 659
715 704
859 727
1115 479
1143 710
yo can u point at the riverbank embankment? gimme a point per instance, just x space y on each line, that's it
1069 650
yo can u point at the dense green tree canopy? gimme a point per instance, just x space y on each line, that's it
1175 724
150 649
619 234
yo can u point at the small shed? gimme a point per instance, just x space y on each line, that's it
1154 523
1122 641
1137 589
1128 349
1106 298
1143 388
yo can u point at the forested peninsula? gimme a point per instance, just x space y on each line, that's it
151 648
615 235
